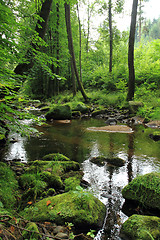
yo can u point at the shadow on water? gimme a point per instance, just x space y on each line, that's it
141 155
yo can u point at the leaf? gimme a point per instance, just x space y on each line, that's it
30 203
12 229
15 220
48 203
58 213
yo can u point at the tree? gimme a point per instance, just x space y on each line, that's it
40 29
110 34
131 82
71 49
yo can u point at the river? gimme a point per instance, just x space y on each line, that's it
141 155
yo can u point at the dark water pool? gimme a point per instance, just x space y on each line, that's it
141 155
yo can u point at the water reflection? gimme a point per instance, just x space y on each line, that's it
141 154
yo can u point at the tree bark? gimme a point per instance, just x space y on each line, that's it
110 35
80 45
41 30
131 83
71 49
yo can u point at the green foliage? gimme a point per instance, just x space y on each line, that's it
91 233
8 187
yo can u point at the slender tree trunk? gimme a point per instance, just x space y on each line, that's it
110 35
80 44
73 80
71 49
41 28
131 83
88 28
57 48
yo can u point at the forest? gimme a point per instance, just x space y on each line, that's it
57 53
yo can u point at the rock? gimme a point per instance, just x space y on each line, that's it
61 229
139 227
100 161
61 235
153 124
111 121
114 128
134 106
99 112
155 136
81 108
145 190
59 113
79 207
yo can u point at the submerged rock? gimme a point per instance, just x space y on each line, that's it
145 190
62 112
79 207
115 161
55 157
139 227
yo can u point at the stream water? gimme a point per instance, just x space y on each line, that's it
141 155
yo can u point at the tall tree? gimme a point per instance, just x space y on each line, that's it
71 49
110 34
40 29
131 82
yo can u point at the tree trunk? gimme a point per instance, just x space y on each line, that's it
110 35
71 49
57 47
41 30
80 45
131 83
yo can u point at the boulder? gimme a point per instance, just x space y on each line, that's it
134 106
59 113
55 157
78 207
115 161
144 190
81 108
139 227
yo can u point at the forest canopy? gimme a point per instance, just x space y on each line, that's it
48 52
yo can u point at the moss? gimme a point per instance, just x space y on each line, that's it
8 187
71 183
61 112
82 108
58 167
100 161
52 180
79 207
31 235
50 192
55 157
144 189
139 227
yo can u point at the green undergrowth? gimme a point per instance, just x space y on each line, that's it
8 187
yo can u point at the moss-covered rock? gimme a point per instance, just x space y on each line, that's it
115 161
134 106
82 108
55 157
32 233
71 183
139 227
61 112
8 186
145 190
52 180
58 167
79 207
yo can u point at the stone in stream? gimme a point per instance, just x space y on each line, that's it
61 112
101 160
145 190
139 227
